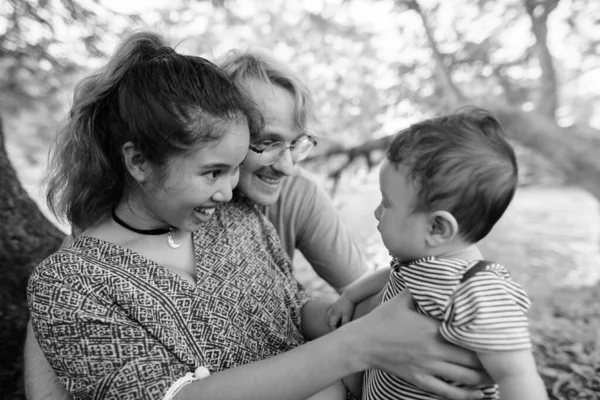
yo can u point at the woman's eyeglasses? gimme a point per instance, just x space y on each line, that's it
270 153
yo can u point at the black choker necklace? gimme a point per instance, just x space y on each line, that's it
158 231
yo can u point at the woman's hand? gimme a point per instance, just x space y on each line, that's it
404 343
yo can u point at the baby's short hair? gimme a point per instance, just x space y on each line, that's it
460 163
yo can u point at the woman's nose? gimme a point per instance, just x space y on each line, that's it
285 164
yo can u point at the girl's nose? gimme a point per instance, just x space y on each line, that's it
225 191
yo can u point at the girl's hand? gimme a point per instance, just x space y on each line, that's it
397 339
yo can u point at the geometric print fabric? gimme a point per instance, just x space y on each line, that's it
114 324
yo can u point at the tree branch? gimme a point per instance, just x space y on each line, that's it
442 72
538 11
575 154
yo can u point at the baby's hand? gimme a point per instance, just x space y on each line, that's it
340 312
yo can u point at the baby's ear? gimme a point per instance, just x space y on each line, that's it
443 228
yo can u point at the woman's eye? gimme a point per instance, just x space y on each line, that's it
265 143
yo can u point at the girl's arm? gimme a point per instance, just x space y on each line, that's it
40 381
297 374
391 337
417 354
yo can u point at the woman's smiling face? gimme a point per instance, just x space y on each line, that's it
262 184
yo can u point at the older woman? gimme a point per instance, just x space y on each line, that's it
300 210
229 240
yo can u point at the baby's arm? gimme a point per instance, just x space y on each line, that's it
342 310
516 374
487 314
314 318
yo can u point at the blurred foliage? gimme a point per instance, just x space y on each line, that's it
374 66
370 64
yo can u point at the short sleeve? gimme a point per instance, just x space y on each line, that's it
487 313
96 351
306 219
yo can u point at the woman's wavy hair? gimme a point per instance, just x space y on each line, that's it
256 64
461 163
165 103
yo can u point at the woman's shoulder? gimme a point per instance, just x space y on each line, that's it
301 183
302 197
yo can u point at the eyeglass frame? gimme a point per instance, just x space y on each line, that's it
260 151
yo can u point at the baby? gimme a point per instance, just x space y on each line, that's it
445 183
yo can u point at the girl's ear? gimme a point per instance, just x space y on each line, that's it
443 228
135 162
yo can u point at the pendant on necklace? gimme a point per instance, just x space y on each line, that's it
170 240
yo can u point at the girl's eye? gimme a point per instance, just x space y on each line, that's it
213 175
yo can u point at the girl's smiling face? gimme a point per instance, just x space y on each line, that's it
193 184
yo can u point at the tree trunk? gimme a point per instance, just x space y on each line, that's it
26 238
538 12
576 156
442 73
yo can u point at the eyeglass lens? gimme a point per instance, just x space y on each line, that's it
299 149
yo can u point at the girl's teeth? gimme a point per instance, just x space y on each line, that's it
207 211
268 179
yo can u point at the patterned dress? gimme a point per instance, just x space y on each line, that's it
114 324
480 307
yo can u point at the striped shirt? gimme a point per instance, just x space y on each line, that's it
479 306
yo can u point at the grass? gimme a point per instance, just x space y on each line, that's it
565 333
